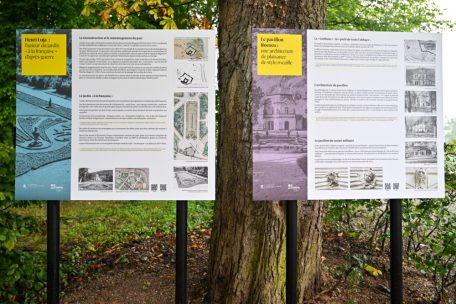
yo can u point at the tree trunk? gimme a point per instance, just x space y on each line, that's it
247 258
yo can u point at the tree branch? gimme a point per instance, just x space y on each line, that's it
158 7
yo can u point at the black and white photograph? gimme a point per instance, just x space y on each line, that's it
191 177
331 178
95 179
420 76
366 178
421 152
420 101
421 178
421 126
420 51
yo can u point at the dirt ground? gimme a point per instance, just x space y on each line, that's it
143 272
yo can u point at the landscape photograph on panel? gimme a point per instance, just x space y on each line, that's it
191 178
43 126
279 137
95 179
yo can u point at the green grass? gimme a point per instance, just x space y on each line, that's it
91 224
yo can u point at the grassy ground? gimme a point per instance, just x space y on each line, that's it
91 225
90 229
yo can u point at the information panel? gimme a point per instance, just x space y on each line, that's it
115 115
375 115
279 115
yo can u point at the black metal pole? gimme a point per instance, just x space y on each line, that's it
181 252
396 250
53 251
292 252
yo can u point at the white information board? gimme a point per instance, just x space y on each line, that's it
375 117
116 115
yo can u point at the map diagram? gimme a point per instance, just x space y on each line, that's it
190 48
191 75
420 51
190 126
132 179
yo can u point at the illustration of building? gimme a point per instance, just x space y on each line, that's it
420 76
279 113
420 150
425 126
416 101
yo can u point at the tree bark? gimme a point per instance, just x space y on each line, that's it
247 258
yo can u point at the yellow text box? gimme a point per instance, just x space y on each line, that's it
279 54
44 54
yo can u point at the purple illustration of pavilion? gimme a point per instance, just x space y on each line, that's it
280 112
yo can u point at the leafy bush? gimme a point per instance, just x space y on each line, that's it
429 229
22 273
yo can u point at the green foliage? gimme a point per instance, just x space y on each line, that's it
23 276
430 240
385 15
450 131
450 168
166 14
429 230
429 225
89 225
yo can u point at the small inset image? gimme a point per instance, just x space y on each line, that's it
191 177
190 48
190 125
421 126
420 178
191 75
132 179
331 178
420 102
420 76
420 51
421 152
366 178
95 179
